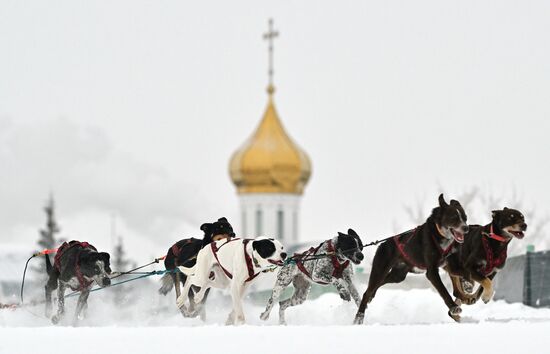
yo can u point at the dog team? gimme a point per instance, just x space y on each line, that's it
468 253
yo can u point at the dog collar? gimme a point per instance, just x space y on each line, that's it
441 233
494 236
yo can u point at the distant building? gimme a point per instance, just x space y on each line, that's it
270 172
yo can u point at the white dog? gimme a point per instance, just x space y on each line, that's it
231 264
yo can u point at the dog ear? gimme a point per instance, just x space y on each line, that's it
341 234
351 232
206 227
455 203
104 256
442 202
505 208
223 219
265 247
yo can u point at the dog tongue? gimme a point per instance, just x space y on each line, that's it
518 234
458 236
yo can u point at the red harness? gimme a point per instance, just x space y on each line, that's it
492 261
66 246
401 247
338 267
247 258
177 250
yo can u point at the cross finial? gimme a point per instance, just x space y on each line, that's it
269 36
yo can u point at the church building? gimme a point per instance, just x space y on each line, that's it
270 172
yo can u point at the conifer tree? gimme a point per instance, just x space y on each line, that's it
48 234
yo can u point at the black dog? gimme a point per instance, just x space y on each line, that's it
77 265
334 269
184 253
424 248
483 254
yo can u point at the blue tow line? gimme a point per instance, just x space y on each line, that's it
145 275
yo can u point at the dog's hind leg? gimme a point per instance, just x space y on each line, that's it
80 306
60 304
284 278
381 267
301 291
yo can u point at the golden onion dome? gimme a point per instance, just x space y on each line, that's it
269 161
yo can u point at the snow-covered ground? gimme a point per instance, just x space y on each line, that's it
398 321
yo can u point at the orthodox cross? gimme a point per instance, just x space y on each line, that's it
269 36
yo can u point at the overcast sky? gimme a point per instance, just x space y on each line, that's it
133 108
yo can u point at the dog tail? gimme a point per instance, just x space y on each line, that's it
167 284
48 264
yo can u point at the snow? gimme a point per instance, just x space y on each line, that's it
411 321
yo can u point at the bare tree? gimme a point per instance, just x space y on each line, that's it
479 204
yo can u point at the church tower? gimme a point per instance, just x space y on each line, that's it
270 172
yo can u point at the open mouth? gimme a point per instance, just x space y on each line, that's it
277 263
457 235
517 234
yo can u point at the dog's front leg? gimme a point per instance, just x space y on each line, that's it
49 288
81 304
284 278
487 293
60 304
342 289
432 274
352 290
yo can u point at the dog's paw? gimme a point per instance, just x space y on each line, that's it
345 296
455 317
56 319
487 297
359 318
455 310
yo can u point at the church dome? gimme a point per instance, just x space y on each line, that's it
269 161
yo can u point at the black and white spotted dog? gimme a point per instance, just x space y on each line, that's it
312 266
77 265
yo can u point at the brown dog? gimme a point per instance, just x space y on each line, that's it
423 249
483 254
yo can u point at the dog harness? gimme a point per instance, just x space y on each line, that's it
65 247
401 247
493 262
338 267
177 250
247 258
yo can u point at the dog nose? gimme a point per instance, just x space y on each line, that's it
106 281
523 226
465 229
360 256
283 255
